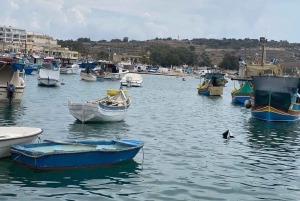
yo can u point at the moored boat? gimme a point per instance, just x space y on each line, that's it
275 98
243 93
132 79
16 135
48 77
107 109
210 85
11 84
114 72
75 154
68 67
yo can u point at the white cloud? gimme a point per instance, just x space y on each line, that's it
144 19
14 6
77 14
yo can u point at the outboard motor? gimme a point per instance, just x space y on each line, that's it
10 91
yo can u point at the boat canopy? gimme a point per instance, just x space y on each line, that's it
49 74
244 89
274 91
210 75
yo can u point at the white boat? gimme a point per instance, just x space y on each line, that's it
16 135
114 72
107 109
88 74
67 67
132 79
11 84
48 77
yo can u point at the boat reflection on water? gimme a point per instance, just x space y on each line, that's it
78 130
9 113
120 174
273 136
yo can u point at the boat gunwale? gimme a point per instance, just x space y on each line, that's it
22 137
19 149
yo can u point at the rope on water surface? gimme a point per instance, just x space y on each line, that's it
17 157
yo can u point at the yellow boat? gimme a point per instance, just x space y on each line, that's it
113 92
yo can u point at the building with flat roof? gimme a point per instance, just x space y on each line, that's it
19 40
12 39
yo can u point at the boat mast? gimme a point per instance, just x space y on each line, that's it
263 54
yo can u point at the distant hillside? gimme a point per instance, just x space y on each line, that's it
288 54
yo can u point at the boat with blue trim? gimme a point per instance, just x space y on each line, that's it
52 154
107 109
243 93
275 98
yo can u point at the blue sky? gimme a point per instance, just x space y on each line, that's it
148 19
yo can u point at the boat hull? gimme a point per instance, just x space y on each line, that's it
115 76
72 70
88 112
15 136
28 70
211 91
240 99
64 155
17 94
271 114
47 82
131 84
88 77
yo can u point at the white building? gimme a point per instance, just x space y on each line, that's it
18 40
12 39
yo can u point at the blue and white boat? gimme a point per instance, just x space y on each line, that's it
75 154
107 109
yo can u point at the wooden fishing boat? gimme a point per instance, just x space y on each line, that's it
16 135
75 154
106 109
210 85
275 98
242 94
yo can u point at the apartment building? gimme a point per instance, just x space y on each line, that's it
19 40
12 39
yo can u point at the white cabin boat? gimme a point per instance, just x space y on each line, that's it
11 84
68 67
107 109
16 135
114 72
132 79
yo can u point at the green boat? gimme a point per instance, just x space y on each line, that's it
242 94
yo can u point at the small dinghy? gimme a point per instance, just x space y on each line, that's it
74 154
16 135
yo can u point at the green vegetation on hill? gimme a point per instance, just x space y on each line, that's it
195 52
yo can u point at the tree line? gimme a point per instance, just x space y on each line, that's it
165 55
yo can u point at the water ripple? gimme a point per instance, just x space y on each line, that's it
185 157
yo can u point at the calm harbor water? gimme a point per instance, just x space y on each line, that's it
184 158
